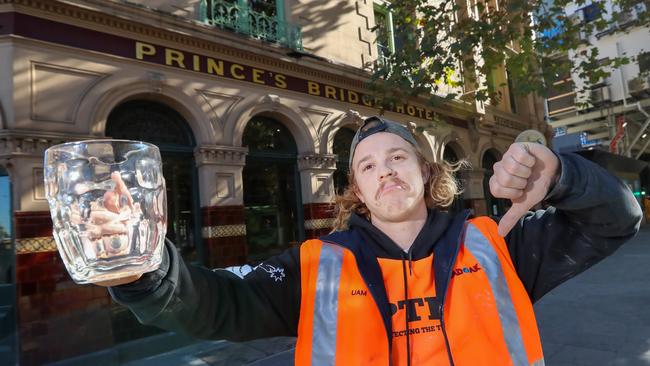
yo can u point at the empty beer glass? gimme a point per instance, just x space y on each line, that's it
108 204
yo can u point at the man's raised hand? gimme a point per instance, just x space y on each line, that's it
523 175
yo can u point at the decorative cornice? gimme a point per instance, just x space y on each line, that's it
32 144
169 30
317 162
220 155
505 123
125 17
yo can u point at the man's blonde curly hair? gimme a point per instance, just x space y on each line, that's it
439 191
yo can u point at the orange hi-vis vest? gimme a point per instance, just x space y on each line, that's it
462 305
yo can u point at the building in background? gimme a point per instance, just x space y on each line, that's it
253 105
608 123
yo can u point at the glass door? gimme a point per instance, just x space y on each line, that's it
181 196
271 208
161 125
272 200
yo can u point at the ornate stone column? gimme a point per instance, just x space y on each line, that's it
222 204
316 172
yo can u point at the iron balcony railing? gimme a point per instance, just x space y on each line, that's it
383 55
240 18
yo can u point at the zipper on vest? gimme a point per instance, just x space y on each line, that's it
444 333
406 315
461 239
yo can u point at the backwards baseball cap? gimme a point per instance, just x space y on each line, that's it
375 124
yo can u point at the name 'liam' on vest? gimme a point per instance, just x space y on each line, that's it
484 317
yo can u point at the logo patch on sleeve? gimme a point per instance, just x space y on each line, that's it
276 273
239 271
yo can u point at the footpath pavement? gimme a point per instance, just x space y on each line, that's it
601 317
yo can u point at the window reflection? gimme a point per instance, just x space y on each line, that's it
272 202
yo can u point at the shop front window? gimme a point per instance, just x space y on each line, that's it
272 200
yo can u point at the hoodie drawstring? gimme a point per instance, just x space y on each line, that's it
406 315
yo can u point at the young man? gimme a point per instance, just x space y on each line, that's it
402 282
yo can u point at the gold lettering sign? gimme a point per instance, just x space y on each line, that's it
211 66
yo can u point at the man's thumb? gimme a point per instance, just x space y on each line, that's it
509 220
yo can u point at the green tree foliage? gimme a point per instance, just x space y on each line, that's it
442 43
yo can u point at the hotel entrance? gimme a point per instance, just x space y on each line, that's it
272 198
164 127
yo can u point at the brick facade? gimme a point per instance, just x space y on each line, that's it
56 317
224 236
319 219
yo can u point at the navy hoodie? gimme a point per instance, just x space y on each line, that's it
591 214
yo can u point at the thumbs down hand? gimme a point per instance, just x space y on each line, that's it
524 175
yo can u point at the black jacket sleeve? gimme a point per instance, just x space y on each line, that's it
592 214
235 303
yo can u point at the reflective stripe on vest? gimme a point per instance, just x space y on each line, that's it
326 305
484 253
341 325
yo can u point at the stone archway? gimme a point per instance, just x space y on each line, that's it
97 113
269 106
163 126
273 208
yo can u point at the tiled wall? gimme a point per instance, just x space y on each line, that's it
60 319
319 219
57 318
224 236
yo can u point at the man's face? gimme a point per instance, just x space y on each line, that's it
389 177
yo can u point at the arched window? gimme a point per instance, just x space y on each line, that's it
163 126
272 199
342 141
